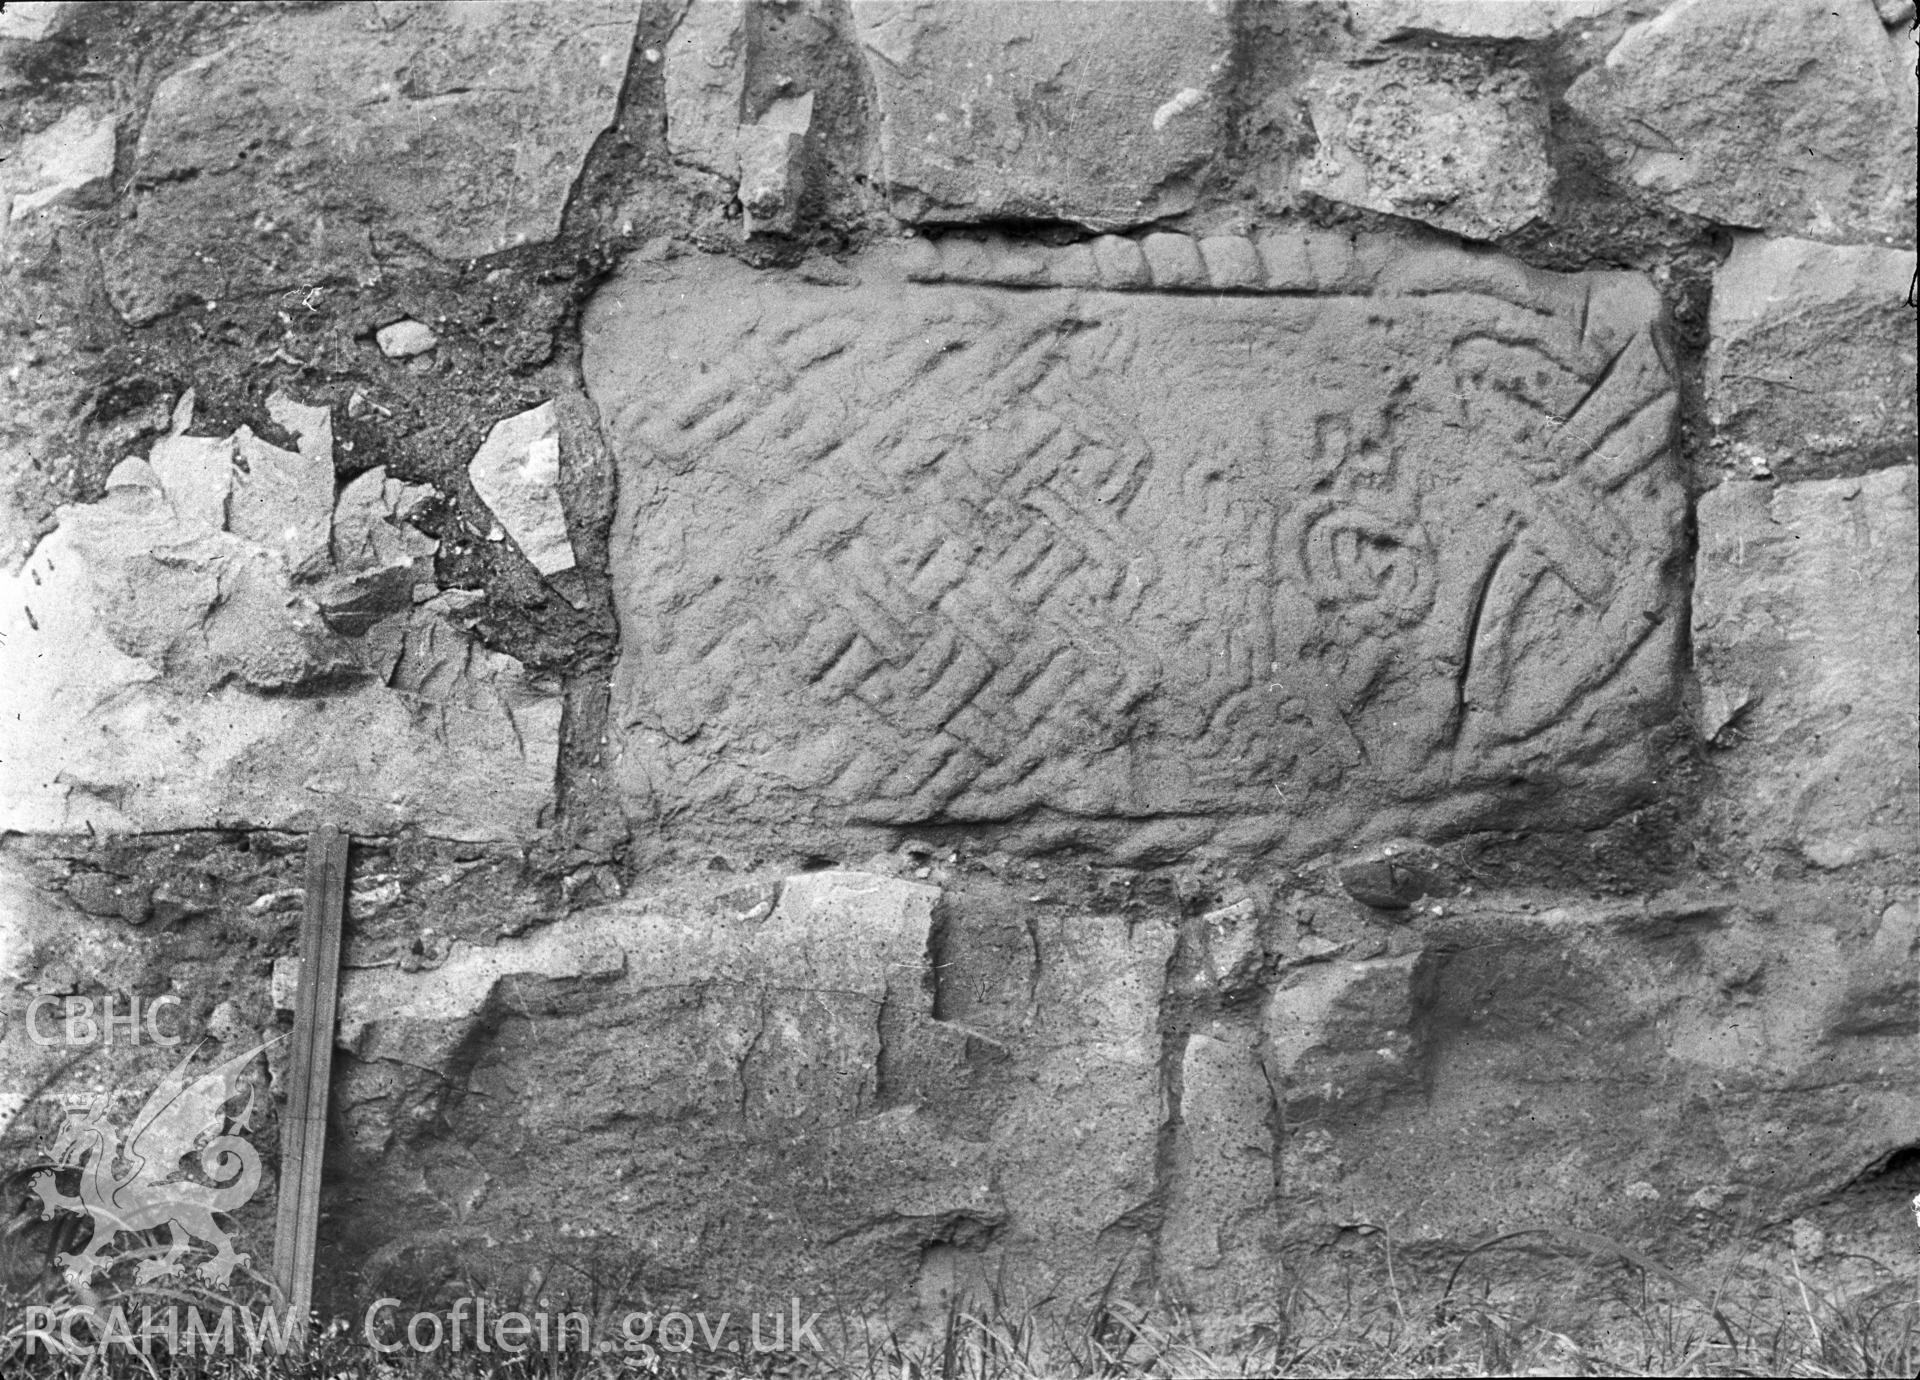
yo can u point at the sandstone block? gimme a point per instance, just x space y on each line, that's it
1309 567
1446 140
1809 663
314 128
1794 116
1811 368
1103 112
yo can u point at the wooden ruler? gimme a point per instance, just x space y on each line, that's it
303 1125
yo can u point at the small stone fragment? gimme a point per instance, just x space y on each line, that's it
285 983
1793 116
225 1024
769 178
1397 875
1812 364
181 898
196 473
65 162
1231 951
384 564
516 472
771 167
1442 139
134 473
405 339
284 500
97 893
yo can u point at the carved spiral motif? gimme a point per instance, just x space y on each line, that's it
1375 568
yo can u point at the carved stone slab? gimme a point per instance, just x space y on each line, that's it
1269 543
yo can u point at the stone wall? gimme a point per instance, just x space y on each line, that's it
1036 647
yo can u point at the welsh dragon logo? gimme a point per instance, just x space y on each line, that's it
128 1182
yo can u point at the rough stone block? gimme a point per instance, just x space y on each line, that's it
1794 116
313 128
1809 663
1310 567
1812 364
1442 139
1627 1068
1103 112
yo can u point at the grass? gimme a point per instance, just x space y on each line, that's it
1362 1314
1781 1326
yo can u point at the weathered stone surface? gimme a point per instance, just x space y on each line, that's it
1498 19
517 474
1812 364
1795 116
1809 663
147 646
1104 112
893 555
1448 140
1641 1071
706 85
797 1099
316 132
69 161
1074 1149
